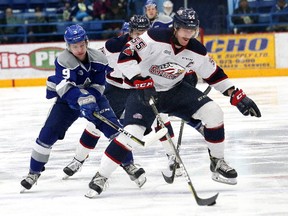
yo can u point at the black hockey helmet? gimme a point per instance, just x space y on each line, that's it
139 22
186 18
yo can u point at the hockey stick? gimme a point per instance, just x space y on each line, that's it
170 179
200 201
152 139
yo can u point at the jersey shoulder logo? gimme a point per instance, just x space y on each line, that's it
128 51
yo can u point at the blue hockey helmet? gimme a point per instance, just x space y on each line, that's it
125 28
75 34
139 22
186 18
150 3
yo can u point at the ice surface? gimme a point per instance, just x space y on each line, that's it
256 148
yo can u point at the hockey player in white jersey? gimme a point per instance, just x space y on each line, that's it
156 63
156 20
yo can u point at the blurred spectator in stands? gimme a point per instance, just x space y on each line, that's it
41 19
82 11
243 16
65 10
280 8
168 9
10 19
101 8
135 7
116 12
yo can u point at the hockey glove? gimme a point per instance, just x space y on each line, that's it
244 104
146 87
143 82
88 105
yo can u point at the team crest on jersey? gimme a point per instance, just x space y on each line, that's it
80 72
168 70
128 51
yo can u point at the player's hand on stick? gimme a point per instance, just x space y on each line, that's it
88 105
244 104
146 85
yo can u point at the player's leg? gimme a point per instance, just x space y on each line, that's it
134 171
212 115
87 142
59 120
209 112
115 153
119 148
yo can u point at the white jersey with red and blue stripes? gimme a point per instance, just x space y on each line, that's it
154 54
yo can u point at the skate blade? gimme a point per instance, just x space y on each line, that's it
65 177
23 190
91 194
141 180
231 181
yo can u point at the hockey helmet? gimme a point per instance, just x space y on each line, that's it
125 28
139 22
75 34
150 3
186 18
167 4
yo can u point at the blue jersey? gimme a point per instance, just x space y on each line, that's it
73 78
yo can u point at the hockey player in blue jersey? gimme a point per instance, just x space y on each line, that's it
156 63
156 20
116 93
78 86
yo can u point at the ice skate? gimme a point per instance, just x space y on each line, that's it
136 174
72 168
222 172
96 185
173 169
29 181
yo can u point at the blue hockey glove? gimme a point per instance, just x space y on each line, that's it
88 105
244 104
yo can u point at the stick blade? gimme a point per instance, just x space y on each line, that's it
207 202
169 178
154 137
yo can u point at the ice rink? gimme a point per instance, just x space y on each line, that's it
256 147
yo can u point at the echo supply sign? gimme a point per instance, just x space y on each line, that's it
254 51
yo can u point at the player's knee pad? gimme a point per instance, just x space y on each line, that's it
117 152
210 114
91 128
214 135
135 130
90 136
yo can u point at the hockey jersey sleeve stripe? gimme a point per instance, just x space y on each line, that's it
216 77
63 87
